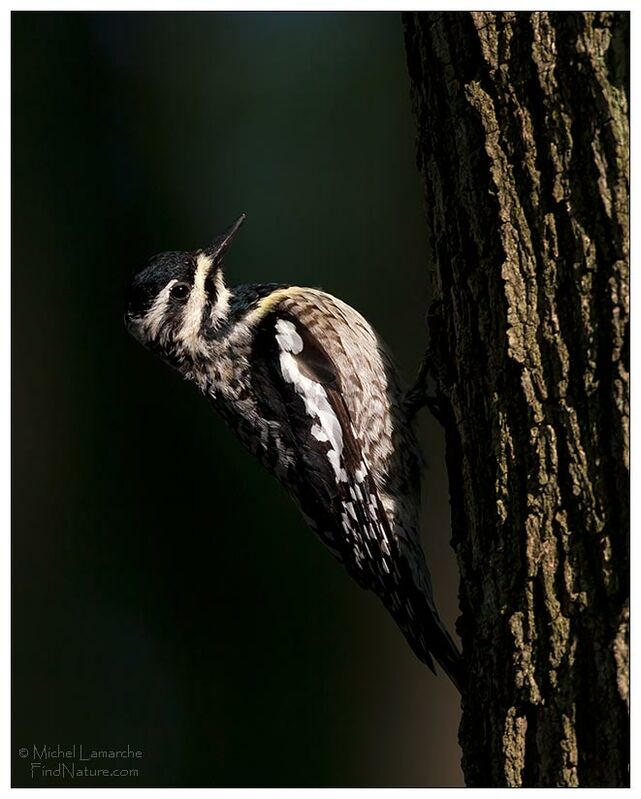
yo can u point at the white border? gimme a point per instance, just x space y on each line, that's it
243 5
301 5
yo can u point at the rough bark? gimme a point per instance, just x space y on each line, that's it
523 147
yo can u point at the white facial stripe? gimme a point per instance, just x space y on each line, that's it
313 395
193 313
189 333
155 316
223 294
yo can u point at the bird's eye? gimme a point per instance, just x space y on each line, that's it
180 291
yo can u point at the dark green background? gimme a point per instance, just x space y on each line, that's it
166 594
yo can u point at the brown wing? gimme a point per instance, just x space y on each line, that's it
340 404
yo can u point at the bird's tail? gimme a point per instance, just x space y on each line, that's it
442 647
430 640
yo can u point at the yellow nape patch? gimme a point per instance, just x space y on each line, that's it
268 303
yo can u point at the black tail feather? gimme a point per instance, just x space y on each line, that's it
431 641
447 654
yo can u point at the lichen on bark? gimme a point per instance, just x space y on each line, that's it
523 148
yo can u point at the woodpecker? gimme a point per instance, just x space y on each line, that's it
310 389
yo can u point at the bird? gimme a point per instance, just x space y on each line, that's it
311 390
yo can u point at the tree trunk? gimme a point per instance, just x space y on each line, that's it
523 148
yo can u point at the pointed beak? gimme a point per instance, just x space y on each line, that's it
218 248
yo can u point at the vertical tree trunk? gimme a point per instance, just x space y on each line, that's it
523 147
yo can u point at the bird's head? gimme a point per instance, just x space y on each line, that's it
179 300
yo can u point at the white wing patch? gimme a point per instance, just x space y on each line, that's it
327 427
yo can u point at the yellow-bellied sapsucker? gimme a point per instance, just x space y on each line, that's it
310 390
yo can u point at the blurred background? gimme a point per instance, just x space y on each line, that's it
166 593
